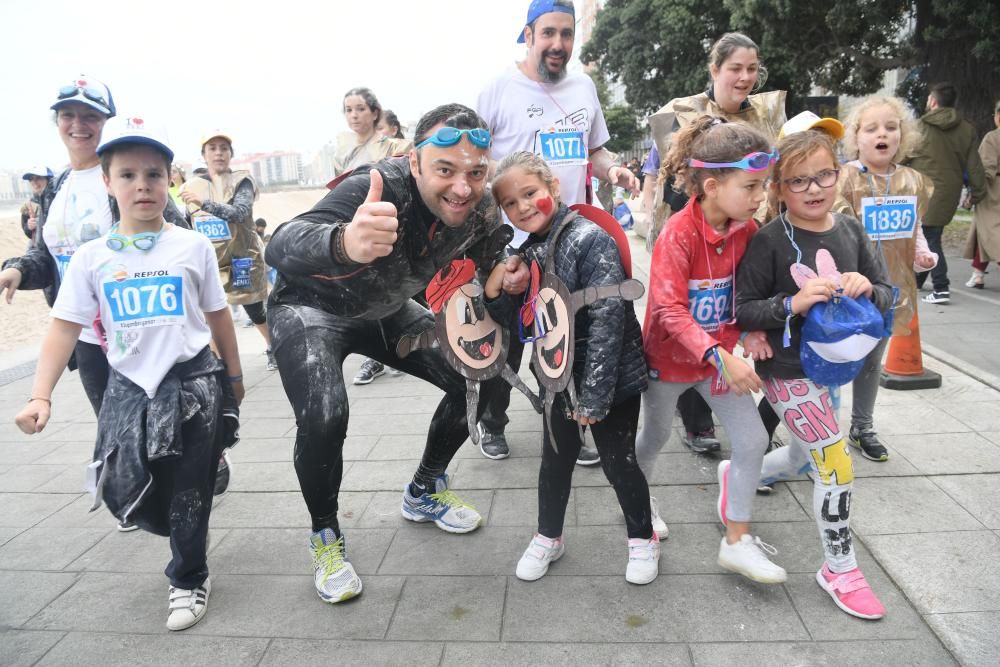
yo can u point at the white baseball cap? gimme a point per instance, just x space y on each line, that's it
89 91
37 170
134 130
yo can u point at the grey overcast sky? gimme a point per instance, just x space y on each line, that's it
273 73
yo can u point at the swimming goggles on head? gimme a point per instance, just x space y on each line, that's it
91 93
144 241
754 162
449 136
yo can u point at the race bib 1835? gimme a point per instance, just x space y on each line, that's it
711 302
562 147
888 218
216 229
145 301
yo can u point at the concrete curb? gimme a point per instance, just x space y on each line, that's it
974 372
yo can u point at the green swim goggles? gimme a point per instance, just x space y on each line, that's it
144 241
449 136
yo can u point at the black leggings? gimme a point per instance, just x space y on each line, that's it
768 416
310 346
93 366
255 311
615 439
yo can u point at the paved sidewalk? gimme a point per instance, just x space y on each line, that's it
74 591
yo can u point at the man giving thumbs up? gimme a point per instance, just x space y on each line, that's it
346 272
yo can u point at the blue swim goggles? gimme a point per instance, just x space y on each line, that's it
144 241
449 136
753 162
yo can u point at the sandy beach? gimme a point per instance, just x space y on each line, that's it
23 322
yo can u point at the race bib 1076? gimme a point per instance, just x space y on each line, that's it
145 301
887 218
216 229
711 302
562 148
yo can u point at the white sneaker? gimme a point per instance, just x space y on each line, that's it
540 552
659 525
187 607
643 560
749 558
335 578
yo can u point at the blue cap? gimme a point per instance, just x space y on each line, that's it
38 170
837 336
134 130
539 7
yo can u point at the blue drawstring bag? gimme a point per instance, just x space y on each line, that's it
837 336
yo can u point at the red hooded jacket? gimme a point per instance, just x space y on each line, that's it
691 290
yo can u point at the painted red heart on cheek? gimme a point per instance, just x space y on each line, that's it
544 204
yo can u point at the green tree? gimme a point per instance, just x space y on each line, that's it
622 122
658 48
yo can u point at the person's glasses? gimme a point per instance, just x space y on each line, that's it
753 162
144 241
824 179
449 136
92 94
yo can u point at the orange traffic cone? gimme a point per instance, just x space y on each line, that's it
904 364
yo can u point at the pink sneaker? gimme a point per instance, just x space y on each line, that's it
720 505
851 592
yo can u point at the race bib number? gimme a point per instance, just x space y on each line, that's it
563 148
711 302
888 218
216 229
62 263
145 301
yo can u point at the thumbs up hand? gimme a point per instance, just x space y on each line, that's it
372 232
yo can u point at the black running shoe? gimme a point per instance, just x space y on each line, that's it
703 442
493 445
868 443
370 370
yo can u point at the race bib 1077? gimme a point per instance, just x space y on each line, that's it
145 301
216 229
887 218
563 148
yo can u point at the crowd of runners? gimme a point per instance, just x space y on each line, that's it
443 254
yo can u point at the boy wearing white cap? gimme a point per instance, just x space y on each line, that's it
160 301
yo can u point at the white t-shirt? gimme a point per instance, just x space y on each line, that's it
79 213
152 304
561 121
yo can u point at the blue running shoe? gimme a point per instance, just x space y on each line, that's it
336 579
443 507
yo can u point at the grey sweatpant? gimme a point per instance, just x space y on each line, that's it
739 417
865 388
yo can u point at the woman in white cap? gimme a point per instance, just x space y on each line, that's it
39 179
221 207
365 144
75 209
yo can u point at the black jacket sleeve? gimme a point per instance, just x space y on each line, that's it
302 246
757 306
240 211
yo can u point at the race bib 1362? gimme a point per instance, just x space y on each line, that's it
216 229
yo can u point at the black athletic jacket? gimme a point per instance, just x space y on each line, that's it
309 273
